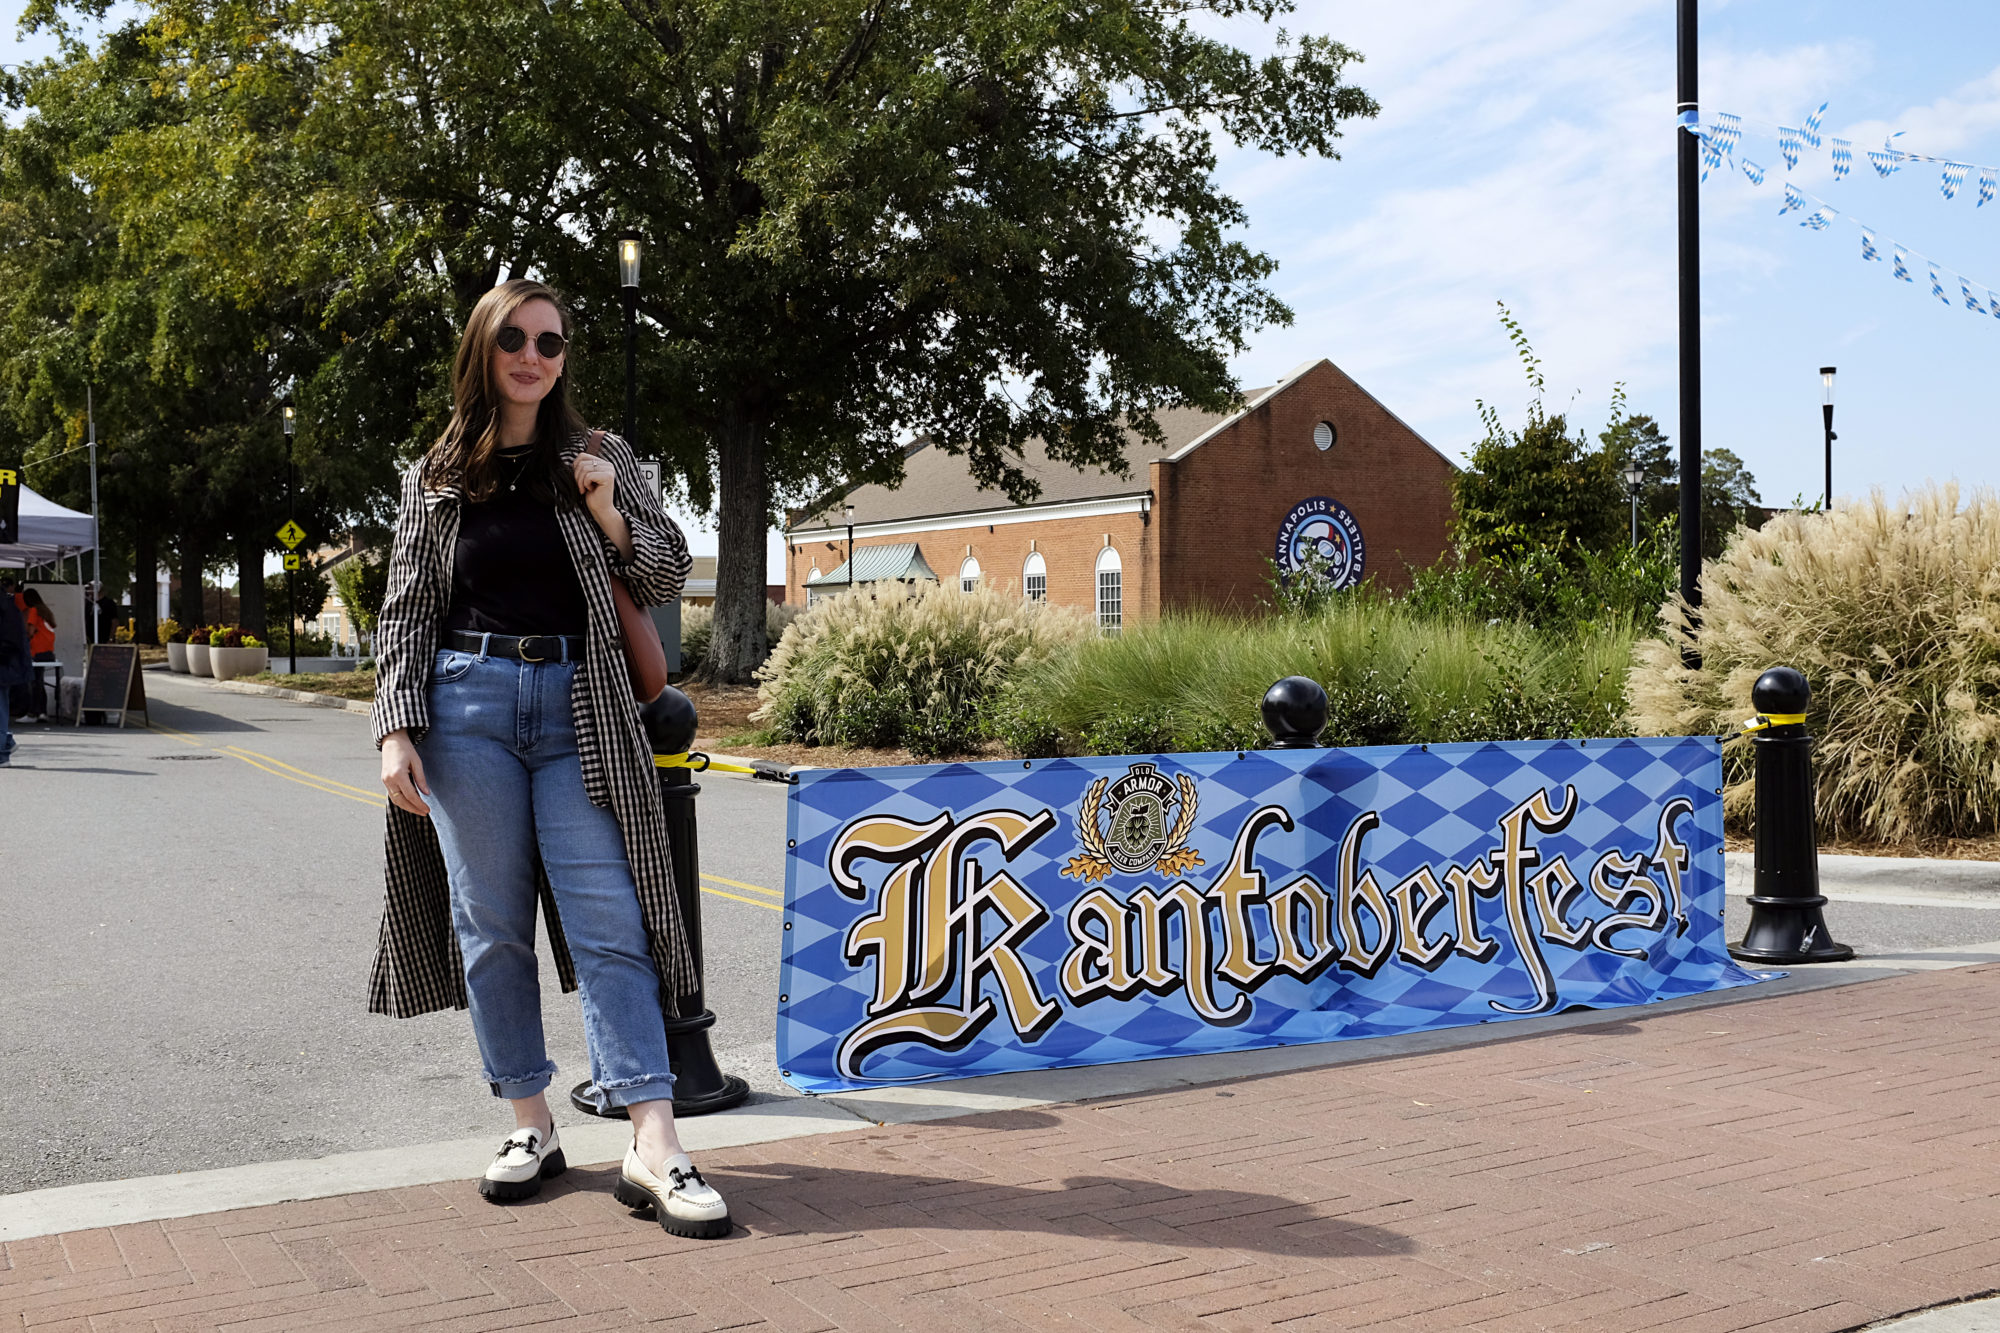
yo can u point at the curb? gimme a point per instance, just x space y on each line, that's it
306 697
1913 879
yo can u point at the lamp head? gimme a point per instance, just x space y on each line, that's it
1635 476
628 259
850 513
1826 384
291 419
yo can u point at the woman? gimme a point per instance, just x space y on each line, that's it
41 645
514 761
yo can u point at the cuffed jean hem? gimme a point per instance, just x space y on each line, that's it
651 1088
527 1085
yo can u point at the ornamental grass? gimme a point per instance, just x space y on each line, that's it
1193 681
883 667
1892 611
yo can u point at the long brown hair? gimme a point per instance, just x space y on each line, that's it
464 455
35 603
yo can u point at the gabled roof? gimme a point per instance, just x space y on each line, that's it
900 561
936 482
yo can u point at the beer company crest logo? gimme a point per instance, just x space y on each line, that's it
1321 533
1137 824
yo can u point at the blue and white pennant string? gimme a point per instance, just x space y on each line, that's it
1721 135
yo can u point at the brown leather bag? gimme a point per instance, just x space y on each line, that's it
645 657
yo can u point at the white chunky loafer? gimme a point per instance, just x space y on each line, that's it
524 1161
685 1204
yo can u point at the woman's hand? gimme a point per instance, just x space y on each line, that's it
597 481
403 773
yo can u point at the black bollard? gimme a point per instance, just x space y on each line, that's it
700 1086
1785 921
1295 713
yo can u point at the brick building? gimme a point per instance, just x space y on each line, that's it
1312 464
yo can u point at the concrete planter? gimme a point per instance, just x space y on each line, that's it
197 659
229 663
177 657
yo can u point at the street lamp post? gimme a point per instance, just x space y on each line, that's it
850 546
291 575
1826 408
1635 478
628 290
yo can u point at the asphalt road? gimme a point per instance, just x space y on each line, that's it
190 913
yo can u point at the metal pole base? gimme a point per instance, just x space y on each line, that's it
1789 930
700 1086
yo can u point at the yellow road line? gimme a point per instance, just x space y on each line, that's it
315 784
754 902
183 737
304 773
739 884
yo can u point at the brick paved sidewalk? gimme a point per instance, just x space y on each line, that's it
1806 1162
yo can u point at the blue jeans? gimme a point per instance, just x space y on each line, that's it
505 781
7 741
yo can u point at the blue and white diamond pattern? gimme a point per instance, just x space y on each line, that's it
1439 806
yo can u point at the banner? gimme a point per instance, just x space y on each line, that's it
943 921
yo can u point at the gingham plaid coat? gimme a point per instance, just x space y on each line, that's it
418 968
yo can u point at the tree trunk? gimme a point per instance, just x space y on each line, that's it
191 602
737 646
146 584
250 586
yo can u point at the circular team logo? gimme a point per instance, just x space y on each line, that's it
1321 532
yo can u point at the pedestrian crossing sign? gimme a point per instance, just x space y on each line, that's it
291 560
291 534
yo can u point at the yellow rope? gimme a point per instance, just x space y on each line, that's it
701 763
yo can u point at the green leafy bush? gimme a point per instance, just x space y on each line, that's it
1193 681
1892 611
882 668
1549 588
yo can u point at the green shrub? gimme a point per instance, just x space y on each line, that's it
1192 681
1555 590
881 668
1892 611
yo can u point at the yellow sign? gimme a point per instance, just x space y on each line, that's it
291 560
291 534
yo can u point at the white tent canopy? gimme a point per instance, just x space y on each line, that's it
49 532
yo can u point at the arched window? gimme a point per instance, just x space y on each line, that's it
812 593
1110 591
968 574
1035 578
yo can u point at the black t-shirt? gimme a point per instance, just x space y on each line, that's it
511 572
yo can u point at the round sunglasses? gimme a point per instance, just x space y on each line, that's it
513 338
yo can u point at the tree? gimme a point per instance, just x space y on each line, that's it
1728 491
362 581
982 222
1535 488
310 586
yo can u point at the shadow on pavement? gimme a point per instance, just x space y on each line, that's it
813 1199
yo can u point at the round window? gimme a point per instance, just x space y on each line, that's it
1323 436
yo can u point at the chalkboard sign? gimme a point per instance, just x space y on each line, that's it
112 683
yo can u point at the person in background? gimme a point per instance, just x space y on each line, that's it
102 615
41 645
14 667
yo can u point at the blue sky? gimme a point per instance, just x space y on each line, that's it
1525 154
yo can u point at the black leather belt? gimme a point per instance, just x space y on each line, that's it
526 648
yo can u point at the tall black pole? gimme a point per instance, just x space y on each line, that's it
1688 163
631 295
1828 505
